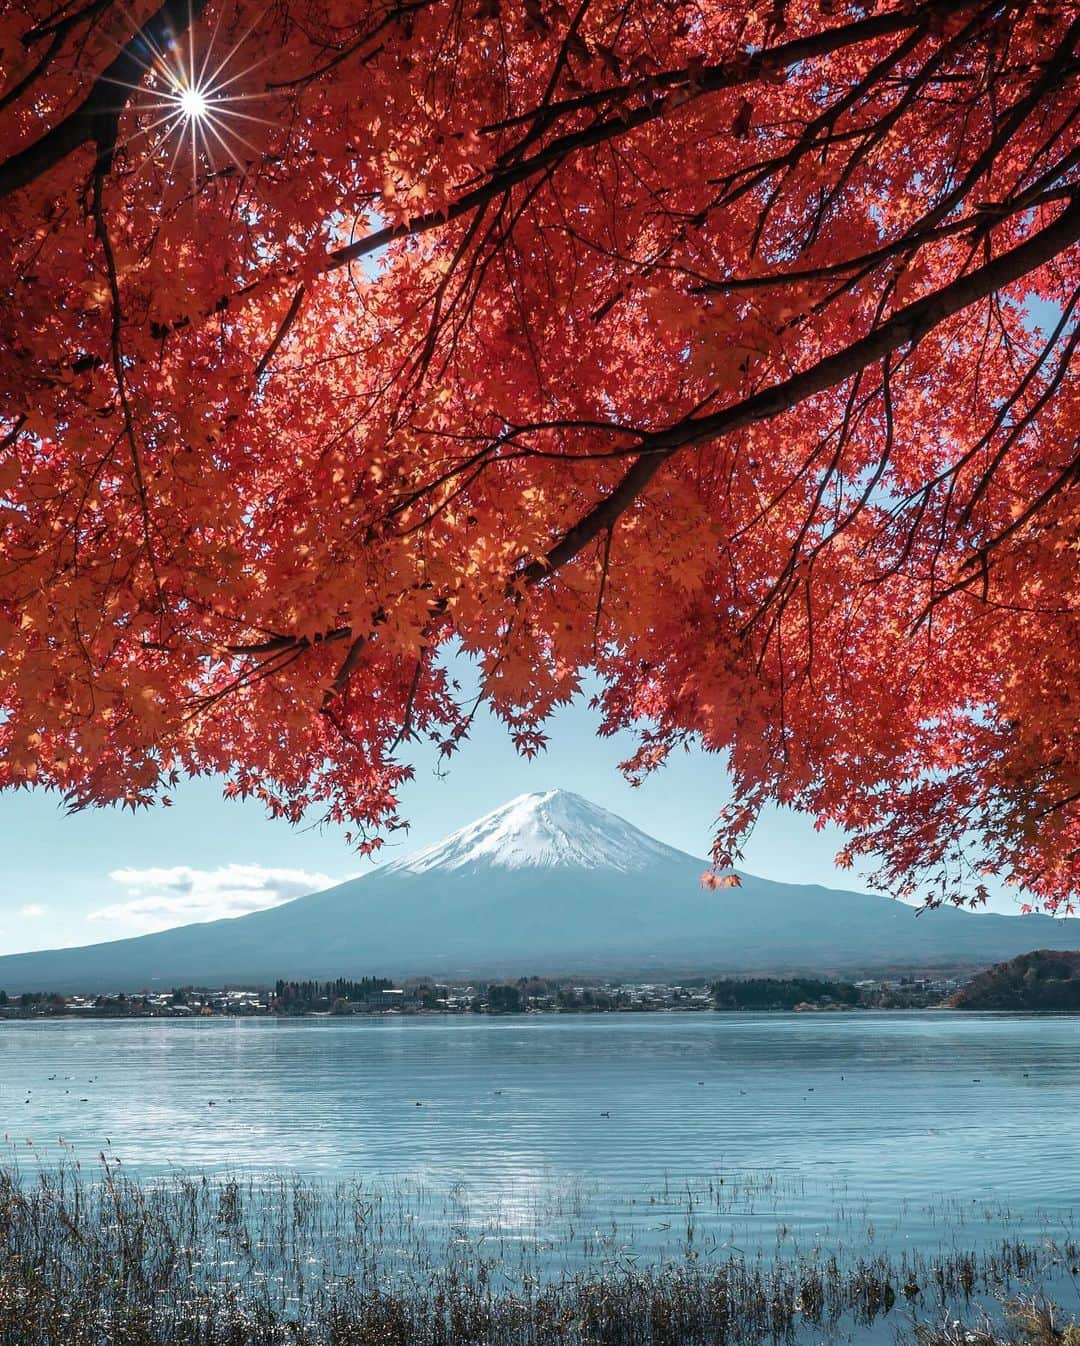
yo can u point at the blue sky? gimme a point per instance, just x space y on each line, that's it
104 875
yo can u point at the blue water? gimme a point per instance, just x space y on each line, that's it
763 1129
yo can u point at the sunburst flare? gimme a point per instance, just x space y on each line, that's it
192 100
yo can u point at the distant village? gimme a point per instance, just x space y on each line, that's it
526 995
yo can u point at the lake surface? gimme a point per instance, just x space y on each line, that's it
757 1130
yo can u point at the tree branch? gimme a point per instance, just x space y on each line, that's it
709 79
97 115
909 324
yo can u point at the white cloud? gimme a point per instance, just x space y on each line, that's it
161 898
32 911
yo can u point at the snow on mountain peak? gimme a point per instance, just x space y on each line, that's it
552 829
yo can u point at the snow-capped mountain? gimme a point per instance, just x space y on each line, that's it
555 829
549 883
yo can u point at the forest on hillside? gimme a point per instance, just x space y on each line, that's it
1042 980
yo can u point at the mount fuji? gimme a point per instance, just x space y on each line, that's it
548 883
553 830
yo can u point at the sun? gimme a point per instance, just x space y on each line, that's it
192 103
190 99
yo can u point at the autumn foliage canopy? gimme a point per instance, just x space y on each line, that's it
722 350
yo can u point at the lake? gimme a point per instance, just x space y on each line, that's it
798 1130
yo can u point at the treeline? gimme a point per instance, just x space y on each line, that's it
537 993
53 1003
31 999
1012 987
769 993
313 992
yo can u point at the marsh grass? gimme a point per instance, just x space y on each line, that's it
227 1261
1034 1321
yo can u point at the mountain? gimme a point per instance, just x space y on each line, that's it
549 883
553 830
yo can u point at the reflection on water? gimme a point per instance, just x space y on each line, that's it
917 1127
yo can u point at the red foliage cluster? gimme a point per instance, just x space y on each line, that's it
723 348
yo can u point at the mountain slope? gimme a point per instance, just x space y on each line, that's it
548 883
1041 980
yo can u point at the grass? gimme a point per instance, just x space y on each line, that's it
1028 1322
230 1262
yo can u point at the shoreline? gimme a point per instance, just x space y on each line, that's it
78 1016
